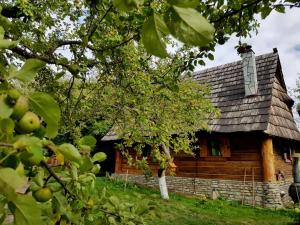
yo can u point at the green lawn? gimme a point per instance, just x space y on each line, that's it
180 210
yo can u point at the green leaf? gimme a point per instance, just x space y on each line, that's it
5 110
201 62
280 8
211 56
32 151
7 126
39 178
126 5
96 169
2 32
2 215
23 141
99 157
28 70
70 152
9 182
154 29
112 220
60 204
4 44
189 26
5 22
86 164
184 3
45 106
265 11
114 201
25 210
88 140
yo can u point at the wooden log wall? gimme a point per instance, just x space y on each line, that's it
243 161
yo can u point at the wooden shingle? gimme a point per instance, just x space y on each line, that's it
268 111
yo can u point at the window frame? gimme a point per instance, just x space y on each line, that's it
205 149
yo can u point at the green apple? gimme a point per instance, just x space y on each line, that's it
43 194
29 122
12 96
20 108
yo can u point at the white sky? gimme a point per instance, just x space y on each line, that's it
278 30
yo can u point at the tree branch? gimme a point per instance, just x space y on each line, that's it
94 28
27 55
166 150
53 174
6 145
297 5
233 12
50 60
6 157
120 44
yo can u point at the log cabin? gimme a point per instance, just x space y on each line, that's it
248 154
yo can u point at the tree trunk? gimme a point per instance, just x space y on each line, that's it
163 184
161 175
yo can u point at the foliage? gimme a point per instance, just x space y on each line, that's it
91 42
59 179
156 109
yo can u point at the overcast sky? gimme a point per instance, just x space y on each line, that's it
278 30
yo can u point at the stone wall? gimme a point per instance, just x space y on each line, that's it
271 195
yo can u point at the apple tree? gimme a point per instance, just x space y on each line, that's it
42 182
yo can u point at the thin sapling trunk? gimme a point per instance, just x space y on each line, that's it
162 175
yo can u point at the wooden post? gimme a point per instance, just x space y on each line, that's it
244 184
118 162
268 160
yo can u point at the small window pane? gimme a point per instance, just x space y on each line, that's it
215 148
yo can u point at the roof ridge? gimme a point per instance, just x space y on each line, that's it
234 63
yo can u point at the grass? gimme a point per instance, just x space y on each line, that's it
183 210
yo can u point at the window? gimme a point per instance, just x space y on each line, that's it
215 148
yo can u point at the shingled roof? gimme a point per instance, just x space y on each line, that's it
268 111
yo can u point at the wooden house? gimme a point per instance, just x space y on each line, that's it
248 155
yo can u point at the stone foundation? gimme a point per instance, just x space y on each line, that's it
270 195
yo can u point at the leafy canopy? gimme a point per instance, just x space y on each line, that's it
92 57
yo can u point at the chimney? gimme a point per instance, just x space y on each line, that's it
249 70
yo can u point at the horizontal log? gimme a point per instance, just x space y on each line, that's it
246 158
231 164
198 172
220 176
211 168
220 164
